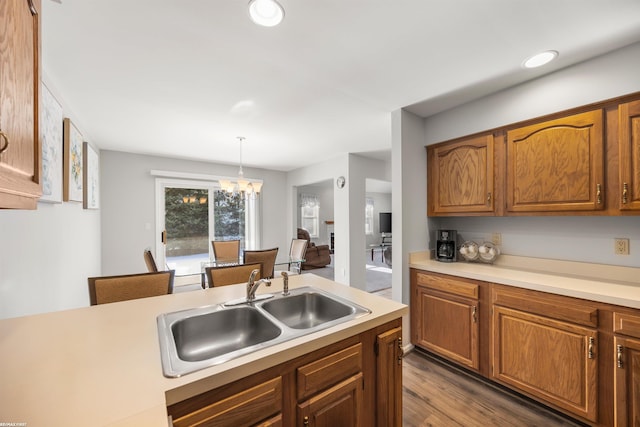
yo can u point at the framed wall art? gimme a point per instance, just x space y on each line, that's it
72 172
51 137
91 199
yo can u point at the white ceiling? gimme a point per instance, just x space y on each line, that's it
184 78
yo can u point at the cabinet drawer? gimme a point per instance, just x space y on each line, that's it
455 286
248 407
626 324
330 370
553 306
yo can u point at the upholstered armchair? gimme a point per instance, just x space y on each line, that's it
315 256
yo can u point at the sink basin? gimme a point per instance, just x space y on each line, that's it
198 338
213 334
307 310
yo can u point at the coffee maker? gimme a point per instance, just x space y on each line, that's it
446 249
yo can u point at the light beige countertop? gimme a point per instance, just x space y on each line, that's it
595 282
101 366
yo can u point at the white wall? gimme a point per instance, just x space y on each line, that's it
128 199
46 256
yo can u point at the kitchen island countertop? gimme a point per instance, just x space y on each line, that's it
100 365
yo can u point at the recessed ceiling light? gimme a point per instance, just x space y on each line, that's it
540 59
267 13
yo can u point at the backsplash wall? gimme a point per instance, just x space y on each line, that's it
570 238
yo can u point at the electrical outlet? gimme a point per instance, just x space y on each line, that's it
496 239
621 246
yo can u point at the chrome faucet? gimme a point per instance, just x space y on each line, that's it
285 279
252 285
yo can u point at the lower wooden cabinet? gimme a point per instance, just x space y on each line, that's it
340 405
442 305
579 357
338 385
546 358
627 369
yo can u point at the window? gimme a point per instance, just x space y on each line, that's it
193 213
310 214
368 216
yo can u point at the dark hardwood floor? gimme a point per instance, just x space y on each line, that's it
441 396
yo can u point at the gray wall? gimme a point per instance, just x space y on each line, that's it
128 199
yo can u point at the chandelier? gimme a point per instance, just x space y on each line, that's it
241 185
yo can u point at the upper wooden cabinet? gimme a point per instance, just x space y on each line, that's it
629 146
461 177
557 165
19 83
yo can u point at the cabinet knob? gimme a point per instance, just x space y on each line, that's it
489 198
305 421
4 141
599 193
400 351
32 8
619 355
625 193
591 348
475 314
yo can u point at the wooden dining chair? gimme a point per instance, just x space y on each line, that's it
231 274
226 249
150 261
107 289
267 257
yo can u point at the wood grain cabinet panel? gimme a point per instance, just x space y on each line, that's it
340 405
19 86
461 177
552 360
389 379
557 165
629 146
320 374
627 382
444 322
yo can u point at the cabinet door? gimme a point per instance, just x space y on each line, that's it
461 177
627 382
557 165
548 359
341 405
629 134
19 84
389 379
448 326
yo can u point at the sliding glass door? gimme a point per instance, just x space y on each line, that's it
190 214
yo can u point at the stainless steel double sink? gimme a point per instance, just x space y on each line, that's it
197 338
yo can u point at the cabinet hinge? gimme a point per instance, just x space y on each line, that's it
376 350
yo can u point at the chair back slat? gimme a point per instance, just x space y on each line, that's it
108 289
267 257
226 249
150 261
231 274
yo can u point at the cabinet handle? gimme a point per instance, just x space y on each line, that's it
599 194
305 422
619 353
590 350
5 141
489 198
475 314
400 351
625 193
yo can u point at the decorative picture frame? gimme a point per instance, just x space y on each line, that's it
51 118
91 184
72 173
